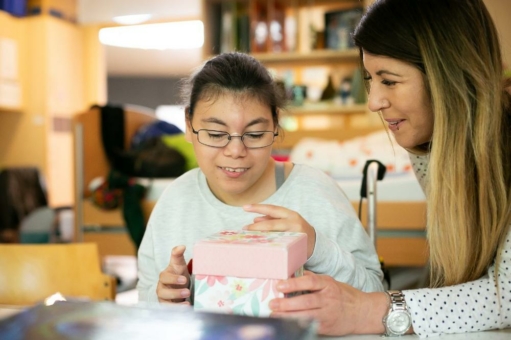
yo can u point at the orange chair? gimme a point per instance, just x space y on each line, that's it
29 273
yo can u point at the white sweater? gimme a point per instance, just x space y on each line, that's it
188 211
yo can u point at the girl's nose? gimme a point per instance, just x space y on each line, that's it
235 148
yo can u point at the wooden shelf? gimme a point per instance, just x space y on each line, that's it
304 66
326 109
10 109
316 56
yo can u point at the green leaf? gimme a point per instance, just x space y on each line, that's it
238 309
202 287
255 305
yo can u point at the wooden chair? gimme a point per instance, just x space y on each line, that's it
29 273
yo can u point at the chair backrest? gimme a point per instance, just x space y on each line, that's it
29 273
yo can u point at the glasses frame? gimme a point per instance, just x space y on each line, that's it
230 137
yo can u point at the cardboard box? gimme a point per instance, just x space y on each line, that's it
236 271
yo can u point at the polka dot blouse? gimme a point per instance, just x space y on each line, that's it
470 307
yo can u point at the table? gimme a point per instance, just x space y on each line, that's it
7 311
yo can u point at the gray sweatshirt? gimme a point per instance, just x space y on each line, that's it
188 211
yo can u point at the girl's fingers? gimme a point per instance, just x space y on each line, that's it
268 210
263 218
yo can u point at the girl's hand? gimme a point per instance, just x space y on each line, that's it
339 308
281 219
173 285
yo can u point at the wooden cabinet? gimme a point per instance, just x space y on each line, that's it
58 76
305 44
12 49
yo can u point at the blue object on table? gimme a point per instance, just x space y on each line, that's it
107 320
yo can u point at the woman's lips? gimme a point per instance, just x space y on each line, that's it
394 124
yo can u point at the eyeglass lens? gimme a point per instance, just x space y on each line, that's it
255 139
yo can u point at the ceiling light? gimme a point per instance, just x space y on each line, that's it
131 19
164 36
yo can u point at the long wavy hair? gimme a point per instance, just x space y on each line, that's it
455 45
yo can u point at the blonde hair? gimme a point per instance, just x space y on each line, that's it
455 44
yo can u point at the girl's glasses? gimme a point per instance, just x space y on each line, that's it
220 139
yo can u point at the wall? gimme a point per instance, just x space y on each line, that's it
148 92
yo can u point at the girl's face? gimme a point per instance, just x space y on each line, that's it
236 175
397 89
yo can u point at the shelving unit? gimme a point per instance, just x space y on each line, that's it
301 59
12 44
311 58
58 74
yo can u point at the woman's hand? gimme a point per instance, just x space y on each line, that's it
174 283
281 219
339 308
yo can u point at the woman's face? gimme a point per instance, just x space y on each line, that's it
397 89
236 175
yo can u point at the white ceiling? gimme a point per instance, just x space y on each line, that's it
144 63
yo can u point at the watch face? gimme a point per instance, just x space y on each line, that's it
398 322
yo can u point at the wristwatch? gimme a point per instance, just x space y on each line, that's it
398 320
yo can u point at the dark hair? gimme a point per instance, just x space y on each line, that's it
237 73
387 29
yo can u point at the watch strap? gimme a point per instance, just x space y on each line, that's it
397 300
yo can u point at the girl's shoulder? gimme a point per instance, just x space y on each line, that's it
184 183
310 176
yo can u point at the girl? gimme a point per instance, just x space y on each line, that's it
232 121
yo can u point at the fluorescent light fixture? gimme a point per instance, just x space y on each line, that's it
164 36
131 19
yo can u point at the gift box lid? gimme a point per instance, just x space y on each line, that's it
258 254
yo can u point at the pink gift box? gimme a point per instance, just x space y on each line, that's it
236 271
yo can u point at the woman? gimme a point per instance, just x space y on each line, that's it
434 73
232 121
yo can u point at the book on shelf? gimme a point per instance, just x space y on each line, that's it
339 25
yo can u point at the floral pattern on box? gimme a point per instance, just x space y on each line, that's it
273 239
234 295
236 271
